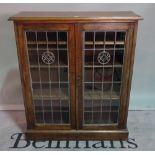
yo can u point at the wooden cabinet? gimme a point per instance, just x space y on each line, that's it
76 71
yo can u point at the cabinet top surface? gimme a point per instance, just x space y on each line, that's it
117 15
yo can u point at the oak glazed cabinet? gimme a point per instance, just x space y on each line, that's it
76 70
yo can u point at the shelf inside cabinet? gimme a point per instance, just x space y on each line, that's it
47 42
96 95
48 66
104 42
105 66
54 93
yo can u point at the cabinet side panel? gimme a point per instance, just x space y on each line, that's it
23 66
128 71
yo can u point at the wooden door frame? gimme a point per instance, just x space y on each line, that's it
20 27
126 76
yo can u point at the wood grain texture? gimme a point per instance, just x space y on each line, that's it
131 47
125 90
123 15
75 23
79 64
24 72
77 134
72 75
127 71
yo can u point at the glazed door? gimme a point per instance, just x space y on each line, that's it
101 79
50 59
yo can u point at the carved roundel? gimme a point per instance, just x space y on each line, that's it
103 57
48 57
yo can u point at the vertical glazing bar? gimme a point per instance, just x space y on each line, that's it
83 73
112 78
49 73
83 70
103 77
93 75
68 83
40 80
60 92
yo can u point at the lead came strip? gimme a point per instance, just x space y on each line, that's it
83 79
103 57
59 76
44 80
114 67
49 73
48 57
68 84
40 79
112 77
103 83
93 79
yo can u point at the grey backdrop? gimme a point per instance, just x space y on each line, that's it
143 84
